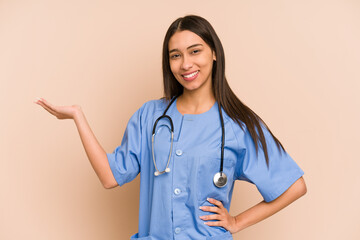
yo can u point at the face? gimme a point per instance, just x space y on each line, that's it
191 61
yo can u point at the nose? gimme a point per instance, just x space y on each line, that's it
186 63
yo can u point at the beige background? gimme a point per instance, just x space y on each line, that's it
295 63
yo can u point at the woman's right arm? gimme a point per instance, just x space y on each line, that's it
94 151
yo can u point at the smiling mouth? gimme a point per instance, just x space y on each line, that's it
190 76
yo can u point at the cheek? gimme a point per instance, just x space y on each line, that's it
173 68
207 65
206 62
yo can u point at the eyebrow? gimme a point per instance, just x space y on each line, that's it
177 50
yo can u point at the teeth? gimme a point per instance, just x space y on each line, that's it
191 74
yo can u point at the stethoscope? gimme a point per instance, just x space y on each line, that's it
220 178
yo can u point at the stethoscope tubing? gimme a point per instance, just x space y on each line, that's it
220 178
222 140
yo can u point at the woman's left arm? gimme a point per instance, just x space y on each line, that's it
254 214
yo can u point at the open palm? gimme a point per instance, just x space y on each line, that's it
60 112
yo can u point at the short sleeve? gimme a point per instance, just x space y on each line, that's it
125 160
271 181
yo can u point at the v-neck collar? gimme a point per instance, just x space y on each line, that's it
194 116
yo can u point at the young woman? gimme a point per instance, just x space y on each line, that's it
191 145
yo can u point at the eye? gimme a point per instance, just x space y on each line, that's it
174 56
195 51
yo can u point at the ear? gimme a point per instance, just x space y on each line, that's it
214 56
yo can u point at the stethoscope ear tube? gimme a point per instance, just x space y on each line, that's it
157 120
167 169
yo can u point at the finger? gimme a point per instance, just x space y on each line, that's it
210 217
40 100
214 223
41 103
49 105
37 100
47 108
210 209
215 202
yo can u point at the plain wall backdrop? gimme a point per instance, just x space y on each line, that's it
295 63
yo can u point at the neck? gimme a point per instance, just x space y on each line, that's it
194 102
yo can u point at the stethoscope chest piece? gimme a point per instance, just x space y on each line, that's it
220 179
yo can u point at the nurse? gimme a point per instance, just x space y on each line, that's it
183 202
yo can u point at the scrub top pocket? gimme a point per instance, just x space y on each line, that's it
207 168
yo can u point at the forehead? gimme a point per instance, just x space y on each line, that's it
183 39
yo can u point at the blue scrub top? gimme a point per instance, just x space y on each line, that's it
169 203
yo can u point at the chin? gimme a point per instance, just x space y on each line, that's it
191 88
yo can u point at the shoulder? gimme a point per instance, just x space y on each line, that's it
153 105
237 129
242 133
147 111
243 128
150 108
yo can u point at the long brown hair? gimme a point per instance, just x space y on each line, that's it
233 107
